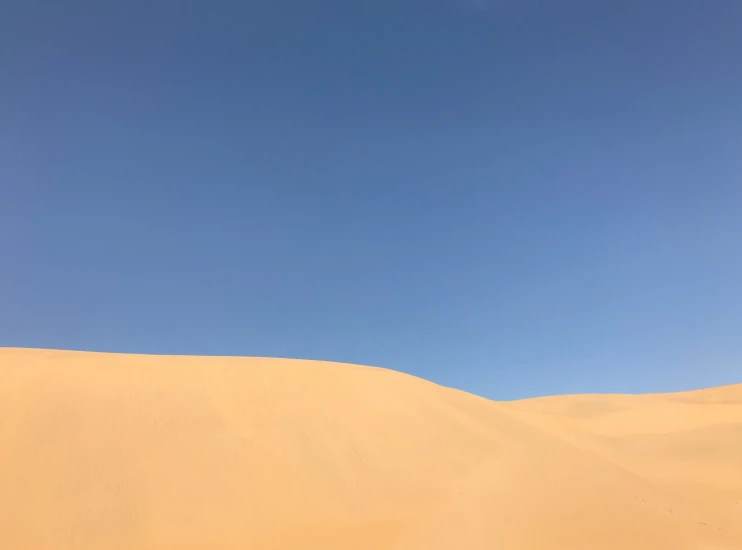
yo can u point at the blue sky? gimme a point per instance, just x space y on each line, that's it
513 198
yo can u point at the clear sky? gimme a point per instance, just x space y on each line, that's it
511 197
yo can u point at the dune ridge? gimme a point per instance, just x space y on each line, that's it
112 451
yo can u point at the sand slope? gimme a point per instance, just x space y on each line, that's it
103 451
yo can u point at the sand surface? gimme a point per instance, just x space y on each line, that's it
105 451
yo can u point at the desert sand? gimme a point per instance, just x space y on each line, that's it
107 451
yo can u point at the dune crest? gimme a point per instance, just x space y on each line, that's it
108 451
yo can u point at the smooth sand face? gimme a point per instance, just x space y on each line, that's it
103 451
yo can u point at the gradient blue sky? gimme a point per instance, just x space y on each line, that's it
511 197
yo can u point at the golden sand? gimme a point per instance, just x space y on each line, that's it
107 451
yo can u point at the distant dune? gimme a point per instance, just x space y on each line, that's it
106 451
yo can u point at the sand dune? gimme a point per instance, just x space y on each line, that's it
105 451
